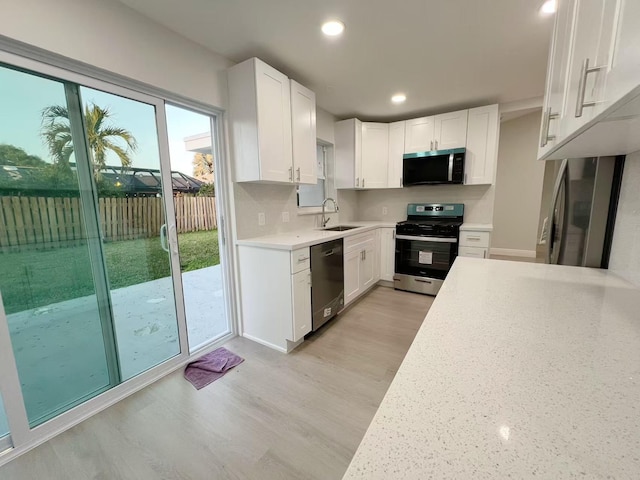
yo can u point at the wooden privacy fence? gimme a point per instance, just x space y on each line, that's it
58 221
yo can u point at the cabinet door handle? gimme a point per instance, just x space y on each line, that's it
400 181
477 239
582 86
436 144
298 173
291 174
548 116
357 181
363 183
302 259
431 145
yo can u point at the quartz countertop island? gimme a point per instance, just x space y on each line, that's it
519 370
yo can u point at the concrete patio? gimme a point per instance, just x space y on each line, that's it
60 351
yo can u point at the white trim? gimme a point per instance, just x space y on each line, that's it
73 417
266 344
170 222
510 252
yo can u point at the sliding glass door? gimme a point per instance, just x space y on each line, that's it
58 319
112 251
123 139
85 261
197 205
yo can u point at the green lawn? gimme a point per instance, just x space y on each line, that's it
34 279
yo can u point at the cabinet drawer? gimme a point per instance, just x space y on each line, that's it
300 260
474 239
474 252
356 241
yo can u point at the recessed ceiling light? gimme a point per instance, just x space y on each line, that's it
399 98
333 28
548 7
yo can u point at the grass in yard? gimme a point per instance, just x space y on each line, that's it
37 278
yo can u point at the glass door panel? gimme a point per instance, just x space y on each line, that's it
193 173
56 317
5 439
123 140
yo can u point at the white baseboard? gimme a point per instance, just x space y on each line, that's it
265 343
509 252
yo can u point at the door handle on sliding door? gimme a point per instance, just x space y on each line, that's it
163 237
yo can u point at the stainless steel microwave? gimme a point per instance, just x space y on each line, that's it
435 167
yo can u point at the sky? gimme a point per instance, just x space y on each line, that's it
23 97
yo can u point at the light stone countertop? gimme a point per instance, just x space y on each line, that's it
476 227
519 370
306 238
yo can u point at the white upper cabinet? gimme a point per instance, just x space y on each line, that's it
370 155
482 145
592 96
396 152
348 153
264 135
361 153
553 109
450 130
593 38
375 155
303 127
419 135
439 132
625 70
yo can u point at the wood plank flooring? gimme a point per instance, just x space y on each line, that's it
276 416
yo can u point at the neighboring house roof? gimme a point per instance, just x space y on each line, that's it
129 180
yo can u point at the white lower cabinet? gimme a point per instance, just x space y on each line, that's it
387 253
352 275
474 243
473 252
360 265
275 294
301 293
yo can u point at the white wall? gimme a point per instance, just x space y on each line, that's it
109 35
519 182
625 251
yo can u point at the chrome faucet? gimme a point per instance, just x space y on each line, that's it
324 220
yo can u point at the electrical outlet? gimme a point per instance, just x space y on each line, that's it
285 217
261 219
384 210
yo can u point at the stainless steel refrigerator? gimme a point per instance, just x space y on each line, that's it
582 212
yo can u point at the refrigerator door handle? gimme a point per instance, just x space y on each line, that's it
562 178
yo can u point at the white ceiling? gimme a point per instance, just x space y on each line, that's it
443 54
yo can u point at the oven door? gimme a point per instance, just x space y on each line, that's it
429 257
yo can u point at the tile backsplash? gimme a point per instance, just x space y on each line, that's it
273 200
477 199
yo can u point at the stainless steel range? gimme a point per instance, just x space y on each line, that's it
426 246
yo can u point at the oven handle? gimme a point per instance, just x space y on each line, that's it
427 239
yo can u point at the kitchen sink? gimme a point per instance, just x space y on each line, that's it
340 228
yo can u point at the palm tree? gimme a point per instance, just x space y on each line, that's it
56 131
203 166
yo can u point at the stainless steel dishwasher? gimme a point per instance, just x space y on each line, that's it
327 281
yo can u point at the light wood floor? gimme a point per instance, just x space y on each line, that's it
276 416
